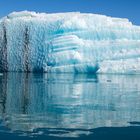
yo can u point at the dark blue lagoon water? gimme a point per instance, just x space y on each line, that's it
69 106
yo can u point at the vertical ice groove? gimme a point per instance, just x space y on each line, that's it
68 42
26 49
3 49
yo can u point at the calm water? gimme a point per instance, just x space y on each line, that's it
59 106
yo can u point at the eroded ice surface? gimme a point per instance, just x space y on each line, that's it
68 42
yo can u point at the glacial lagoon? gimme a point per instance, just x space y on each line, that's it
73 106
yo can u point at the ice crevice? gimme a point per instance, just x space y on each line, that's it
68 42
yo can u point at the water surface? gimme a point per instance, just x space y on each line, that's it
69 106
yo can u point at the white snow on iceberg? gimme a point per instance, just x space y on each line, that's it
68 42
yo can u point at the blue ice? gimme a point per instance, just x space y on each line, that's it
68 42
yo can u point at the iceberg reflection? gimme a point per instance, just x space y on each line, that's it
68 104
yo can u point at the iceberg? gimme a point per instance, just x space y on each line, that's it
68 42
